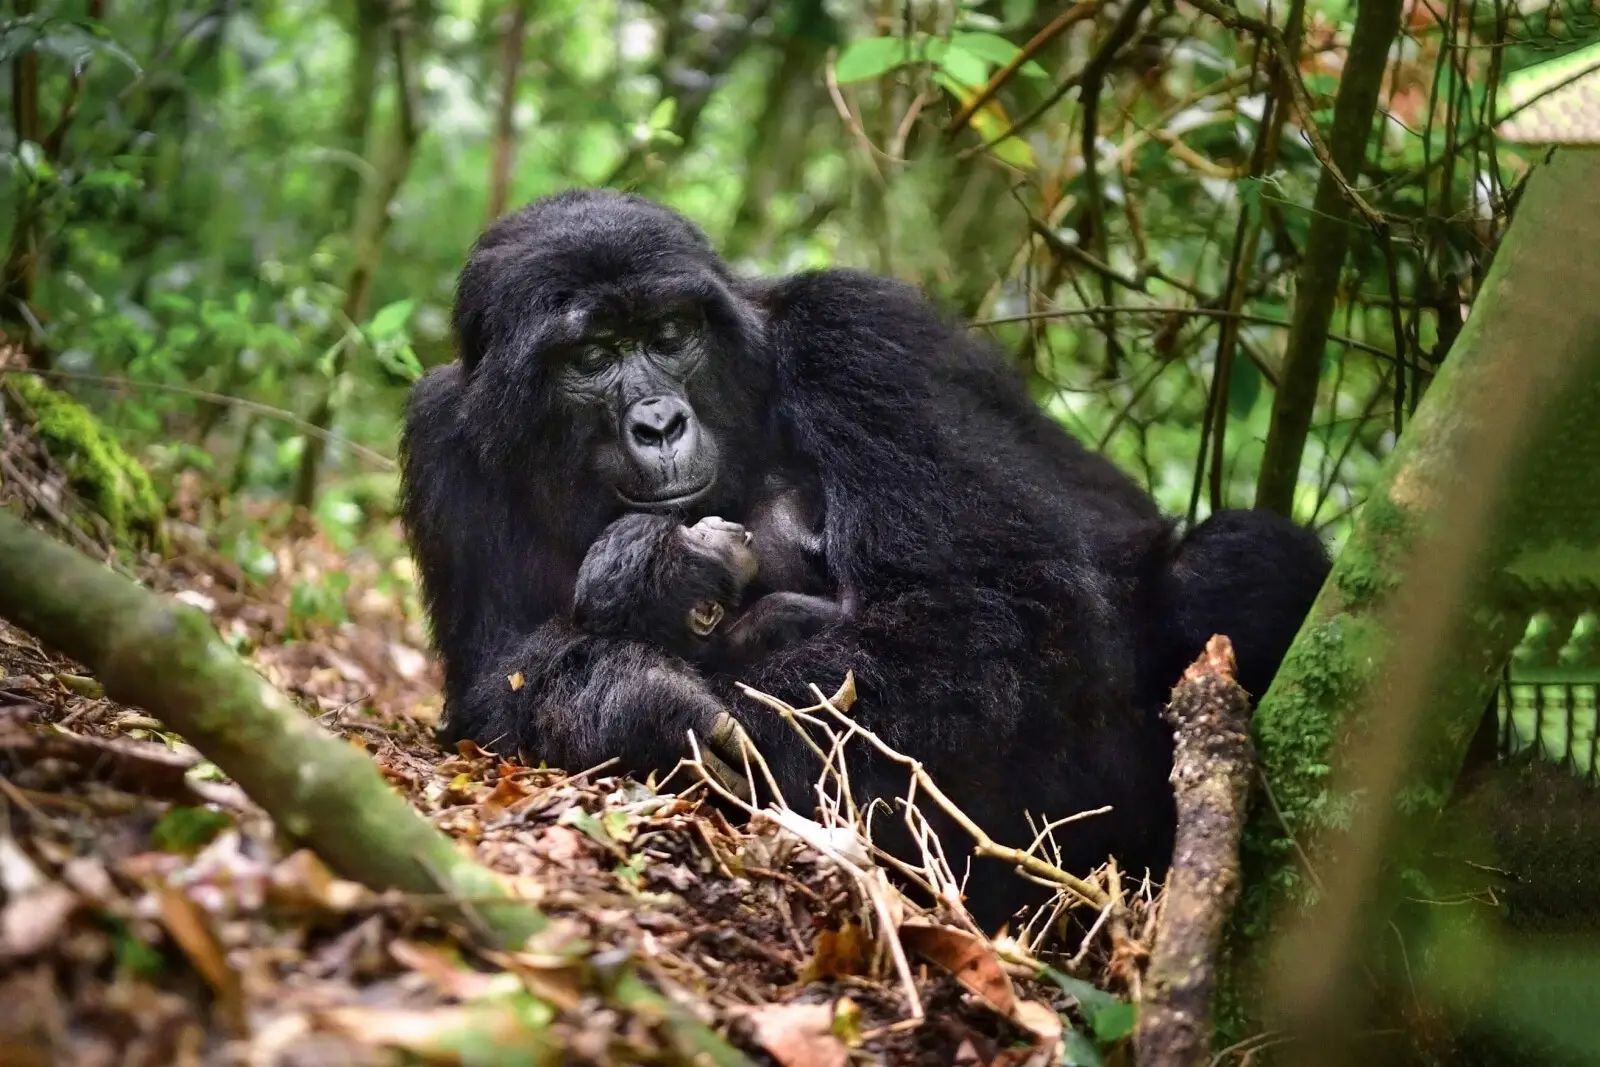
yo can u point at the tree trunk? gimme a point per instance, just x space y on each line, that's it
22 258
505 128
1317 284
370 228
1489 496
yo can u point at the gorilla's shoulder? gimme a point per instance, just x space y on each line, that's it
435 394
836 292
817 317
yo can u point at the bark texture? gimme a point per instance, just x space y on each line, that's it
1488 494
1211 772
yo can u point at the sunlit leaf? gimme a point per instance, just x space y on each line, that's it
871 57
390 319
997 50
958 63
991 122
663 113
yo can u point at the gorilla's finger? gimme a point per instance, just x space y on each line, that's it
730 779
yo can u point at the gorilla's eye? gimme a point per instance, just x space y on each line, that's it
704 617
592 358
674 331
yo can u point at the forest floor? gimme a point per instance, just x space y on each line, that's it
150 913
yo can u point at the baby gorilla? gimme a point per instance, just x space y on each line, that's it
682 588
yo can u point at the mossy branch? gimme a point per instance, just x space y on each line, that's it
1362 734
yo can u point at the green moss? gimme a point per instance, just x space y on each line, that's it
101 471
1365 571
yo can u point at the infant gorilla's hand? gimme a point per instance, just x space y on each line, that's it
775 621
725 545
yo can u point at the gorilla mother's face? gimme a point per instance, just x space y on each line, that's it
647 380
609 349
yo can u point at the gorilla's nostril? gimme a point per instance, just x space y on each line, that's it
657 422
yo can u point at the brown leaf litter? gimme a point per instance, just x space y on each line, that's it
151 914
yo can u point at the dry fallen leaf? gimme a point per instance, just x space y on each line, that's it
840 953
505 794
30 922
446 973
188 925
796 1035
1039 1018
971 960
302 879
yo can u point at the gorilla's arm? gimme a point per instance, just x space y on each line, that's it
518 673
975 600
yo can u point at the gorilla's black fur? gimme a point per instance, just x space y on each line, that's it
1016 607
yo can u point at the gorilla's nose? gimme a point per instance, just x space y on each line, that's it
658 427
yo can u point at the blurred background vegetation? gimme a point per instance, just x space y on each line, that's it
268 200
231 229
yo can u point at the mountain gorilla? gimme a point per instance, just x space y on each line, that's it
1013 607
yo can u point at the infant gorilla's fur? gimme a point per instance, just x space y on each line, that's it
682 588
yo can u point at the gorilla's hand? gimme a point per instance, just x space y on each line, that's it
579 699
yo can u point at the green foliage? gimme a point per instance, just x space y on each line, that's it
1111 1020
187 830
316 605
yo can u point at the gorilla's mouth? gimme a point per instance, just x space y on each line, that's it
668 501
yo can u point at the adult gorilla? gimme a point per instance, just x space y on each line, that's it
1016 608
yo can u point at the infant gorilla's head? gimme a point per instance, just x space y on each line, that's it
651 578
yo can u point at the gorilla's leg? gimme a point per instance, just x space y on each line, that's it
1251 575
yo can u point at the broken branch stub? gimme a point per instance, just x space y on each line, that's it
1211 767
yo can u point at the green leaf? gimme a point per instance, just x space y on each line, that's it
991 122
74 42
1016 12
1244 387
959 64
871 57
400 360
1080 1051
1113 1023
1111 1018
390 319
997 50
663 113
186 830
580 819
